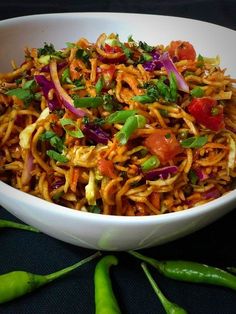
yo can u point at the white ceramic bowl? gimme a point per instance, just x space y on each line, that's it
93 230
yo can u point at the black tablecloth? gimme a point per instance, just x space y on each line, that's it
40 253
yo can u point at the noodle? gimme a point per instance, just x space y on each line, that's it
109 127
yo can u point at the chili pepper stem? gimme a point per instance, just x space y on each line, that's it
170 307
62 272
11 224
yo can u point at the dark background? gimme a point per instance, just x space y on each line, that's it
38 253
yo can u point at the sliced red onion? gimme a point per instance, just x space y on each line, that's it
154 64
28 167
170 67
212 193
46 86
66 100
162 173
95 133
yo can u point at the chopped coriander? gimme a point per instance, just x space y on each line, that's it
48 49
167 135
145 47
200 61
82 54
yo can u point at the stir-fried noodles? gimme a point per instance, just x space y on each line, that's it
120 128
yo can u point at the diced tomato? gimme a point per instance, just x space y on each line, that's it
182 50
106 168
112 49
207 112
108 74
164 144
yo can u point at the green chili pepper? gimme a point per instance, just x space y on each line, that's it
16 225
191 271
120 116
105 300
170 307
18 283
131 124
150 163
90 102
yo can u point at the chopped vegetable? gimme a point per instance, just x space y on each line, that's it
165 148
91 189
93 132
197 92
56 156
62 94
182 50
201 110
120 116
194 142
150 163
170 68
131 124
106 168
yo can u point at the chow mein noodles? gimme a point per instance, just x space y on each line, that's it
119 128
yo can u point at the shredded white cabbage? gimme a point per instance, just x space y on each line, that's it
25 135
91 189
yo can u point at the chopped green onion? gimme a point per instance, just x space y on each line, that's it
65 76
120 116
99 85
131 124
74 133
143 99
56 156
194 142
197 92
150 163
94 209
88 102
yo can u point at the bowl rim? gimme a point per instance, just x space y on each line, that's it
53 15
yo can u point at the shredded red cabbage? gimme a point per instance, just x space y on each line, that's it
46 86
95 133
162 173
154 64
170 67
57 183
201 174
212 193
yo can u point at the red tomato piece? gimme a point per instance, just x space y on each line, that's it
106 168
164 144
207 112
182 50
108 75
112 49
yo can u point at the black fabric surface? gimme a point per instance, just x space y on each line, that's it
39 253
